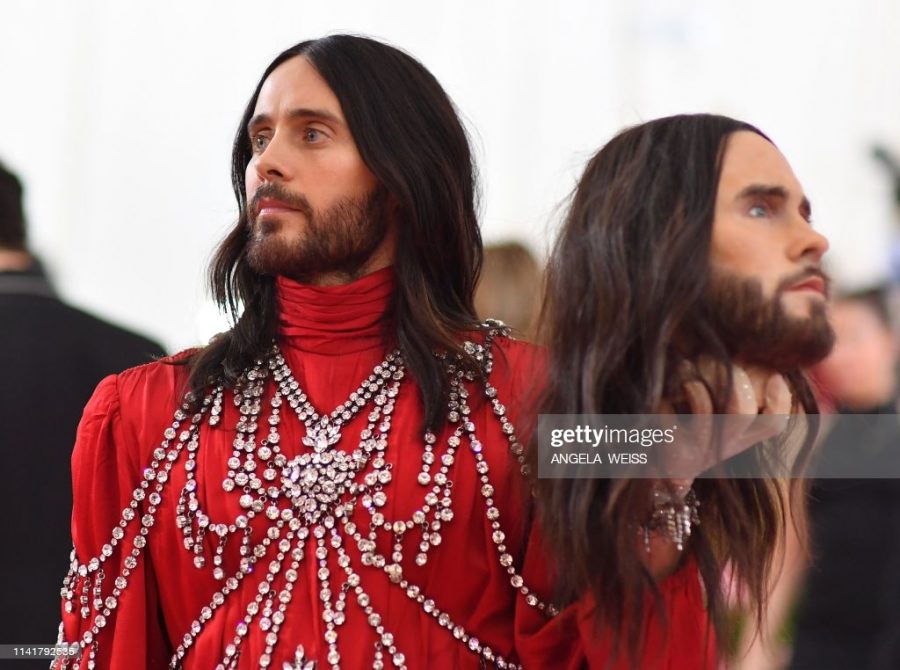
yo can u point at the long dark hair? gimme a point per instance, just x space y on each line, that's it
409 135
624 309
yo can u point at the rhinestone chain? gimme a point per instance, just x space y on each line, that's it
308 501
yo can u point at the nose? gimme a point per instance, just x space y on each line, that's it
270 164
808 243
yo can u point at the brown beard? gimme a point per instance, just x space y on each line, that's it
759 331
340 239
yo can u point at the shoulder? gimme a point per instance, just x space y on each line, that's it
502 344
512 361
125 417
144 395
160 382
516 368
518 355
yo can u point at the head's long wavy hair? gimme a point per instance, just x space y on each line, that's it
625 296
409 135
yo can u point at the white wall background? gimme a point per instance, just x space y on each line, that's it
119 116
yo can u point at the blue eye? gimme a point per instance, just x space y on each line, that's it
312 135
258 143
758 211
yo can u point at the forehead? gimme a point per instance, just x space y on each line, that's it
752 159
296 84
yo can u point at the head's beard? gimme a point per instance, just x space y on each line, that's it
758 331
338 240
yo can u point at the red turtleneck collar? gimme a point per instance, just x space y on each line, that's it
335 319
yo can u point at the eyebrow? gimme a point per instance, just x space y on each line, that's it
299 113
779 192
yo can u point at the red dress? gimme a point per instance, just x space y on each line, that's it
469 605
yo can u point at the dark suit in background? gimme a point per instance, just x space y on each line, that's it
51 358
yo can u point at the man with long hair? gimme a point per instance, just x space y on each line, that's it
335 481
687 257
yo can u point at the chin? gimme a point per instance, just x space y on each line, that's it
264 228
803 304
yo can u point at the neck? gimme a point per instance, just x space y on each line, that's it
337 318
15 261
342 278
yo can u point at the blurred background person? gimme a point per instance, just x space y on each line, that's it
509 287
860 375
849 614
838 606
51 358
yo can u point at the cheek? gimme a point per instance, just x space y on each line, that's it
354 174
251 182
742 244
733 251
366 178
748 256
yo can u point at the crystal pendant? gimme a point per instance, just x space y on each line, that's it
300 661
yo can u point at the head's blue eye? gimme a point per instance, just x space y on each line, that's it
258 142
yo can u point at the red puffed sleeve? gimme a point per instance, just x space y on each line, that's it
105 474
569 640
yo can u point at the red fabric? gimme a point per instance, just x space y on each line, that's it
332 338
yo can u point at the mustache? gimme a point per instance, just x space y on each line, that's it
277 192
802 276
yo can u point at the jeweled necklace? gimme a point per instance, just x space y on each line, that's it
310 500
312 482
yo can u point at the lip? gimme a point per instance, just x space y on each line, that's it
815 284
273 206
